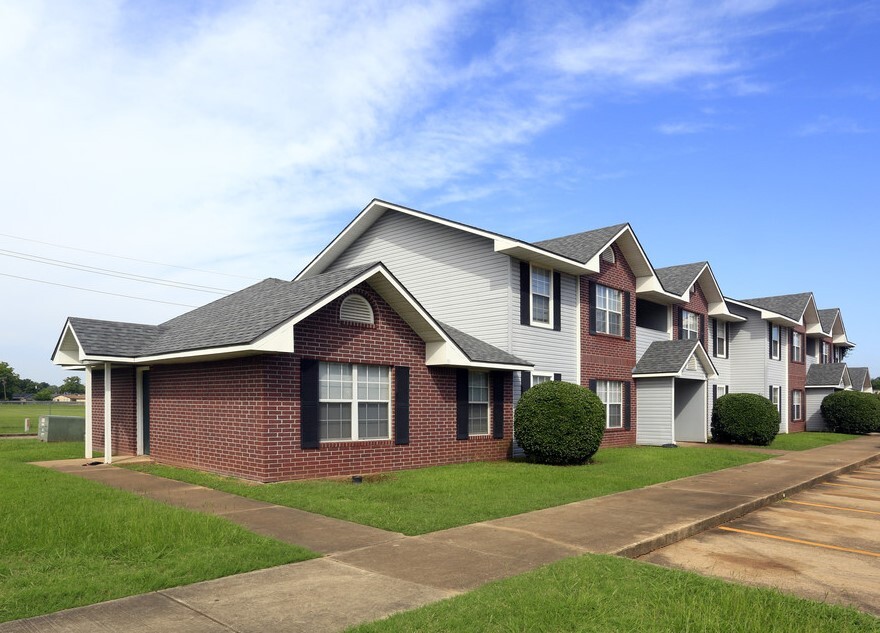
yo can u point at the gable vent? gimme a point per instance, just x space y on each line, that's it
692 363
608 255
356 309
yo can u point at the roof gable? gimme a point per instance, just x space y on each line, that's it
670 359
828 375
790 306
679 279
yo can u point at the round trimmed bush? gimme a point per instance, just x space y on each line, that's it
855 412
744 418
559 423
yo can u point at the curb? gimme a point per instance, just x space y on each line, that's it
640 548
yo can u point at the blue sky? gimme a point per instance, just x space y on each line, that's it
240 137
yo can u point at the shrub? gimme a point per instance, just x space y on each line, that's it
559 423
851 412
744 418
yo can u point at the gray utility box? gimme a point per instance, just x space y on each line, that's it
62 428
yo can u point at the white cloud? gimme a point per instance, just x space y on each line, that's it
833 125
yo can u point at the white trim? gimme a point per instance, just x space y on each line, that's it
488 403
577 329
550 302
354 401
541 374
767 315
139 404
89 452
108 414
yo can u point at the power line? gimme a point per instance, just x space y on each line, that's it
113 273
102 292
132 259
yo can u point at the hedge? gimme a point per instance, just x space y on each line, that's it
744 418
855 412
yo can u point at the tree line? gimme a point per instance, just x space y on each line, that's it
11 384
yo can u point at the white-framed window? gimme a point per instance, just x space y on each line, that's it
478 403
826 352
796 405
775 398
797 346
690 325
542 296
354 402
775 345
720 338
537 379
610 392
609 310
721 390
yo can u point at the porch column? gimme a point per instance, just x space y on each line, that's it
88 412
108 439
139 409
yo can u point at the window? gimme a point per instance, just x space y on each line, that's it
774 342
690 325
774 396
610 392
797 346
478 403
353 402
796 397
721 390
542 291
537 379
720 338
826 352
609 310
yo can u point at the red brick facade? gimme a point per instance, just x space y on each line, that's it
242 417
698 304
123 401
607 357
797 380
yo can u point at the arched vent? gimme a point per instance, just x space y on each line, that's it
356 309
608 255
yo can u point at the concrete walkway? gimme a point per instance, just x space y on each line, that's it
369 574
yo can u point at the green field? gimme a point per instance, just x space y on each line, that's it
67 542
13 414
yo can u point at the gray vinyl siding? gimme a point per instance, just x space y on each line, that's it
748 349
655 404
455 275
777 375
724 367
646 336
814 397
551 351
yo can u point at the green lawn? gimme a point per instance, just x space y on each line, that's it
807 440
430 499
12 414
66 541
604 593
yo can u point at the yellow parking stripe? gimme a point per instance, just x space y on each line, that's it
828 483
823 505
801 542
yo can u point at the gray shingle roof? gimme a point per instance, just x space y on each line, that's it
825 374
113 338
679 279
826 318
581 247
791 306
859 377
481 352
665 357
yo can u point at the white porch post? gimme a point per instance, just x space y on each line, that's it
108 439
139 409
89 412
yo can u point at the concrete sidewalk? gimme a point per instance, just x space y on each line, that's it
371 573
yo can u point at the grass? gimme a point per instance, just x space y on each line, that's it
430 499
12 414
604 593
67 542
807 440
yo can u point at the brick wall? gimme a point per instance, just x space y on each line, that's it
606 357
242 417
123 411
797 380
698 304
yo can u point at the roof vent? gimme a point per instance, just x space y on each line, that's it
356 309
608 255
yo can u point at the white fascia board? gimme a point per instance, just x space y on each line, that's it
63 357
530 253
767 315
649 287
719 311
632 251
665 375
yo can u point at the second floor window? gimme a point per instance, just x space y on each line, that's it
542 292
826 352
720 338
774 342
690 325
609 310
797 344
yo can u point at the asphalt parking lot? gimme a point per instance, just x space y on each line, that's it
822 544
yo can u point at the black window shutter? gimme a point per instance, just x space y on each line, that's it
714 333
626 324
592 286
626 407
497 379
401 405
703 330
592 384
525 381
680 316
557 300
308 402
525 290
770 393
557 377
461 404
714 393
770 339
726 327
